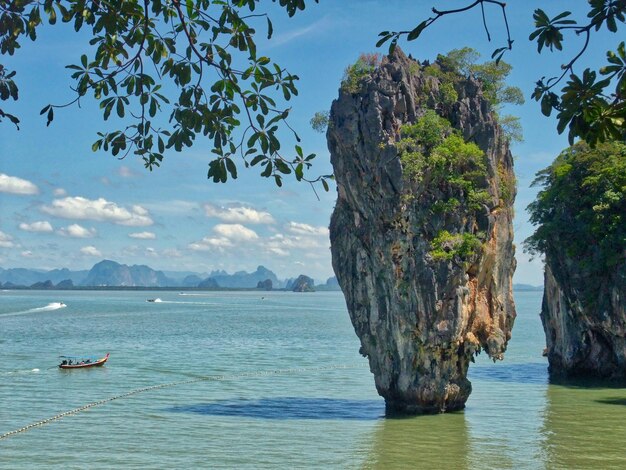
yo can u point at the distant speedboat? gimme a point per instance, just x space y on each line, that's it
75 362
154 300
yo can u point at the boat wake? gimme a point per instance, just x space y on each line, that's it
22 371
51 306
48 308
188 303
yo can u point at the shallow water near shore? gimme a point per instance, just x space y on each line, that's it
269 380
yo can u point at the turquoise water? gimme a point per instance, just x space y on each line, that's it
286 388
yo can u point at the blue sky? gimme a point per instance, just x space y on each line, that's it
61 205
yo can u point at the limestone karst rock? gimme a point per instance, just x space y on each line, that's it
584 341
420 319
580 229
303 284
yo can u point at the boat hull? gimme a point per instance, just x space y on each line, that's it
98 363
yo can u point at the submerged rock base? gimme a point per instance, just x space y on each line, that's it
421 319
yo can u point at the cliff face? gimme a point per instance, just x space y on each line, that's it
420 319
584 320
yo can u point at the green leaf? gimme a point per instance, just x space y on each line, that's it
231 167
416 31
50 116
120 107
270 29
258 159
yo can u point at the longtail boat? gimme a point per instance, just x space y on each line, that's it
74 362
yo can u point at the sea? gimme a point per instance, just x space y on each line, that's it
268 380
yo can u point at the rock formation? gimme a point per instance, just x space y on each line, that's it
420 318
208 283
303 284
265 285
579 218
109 273
583 340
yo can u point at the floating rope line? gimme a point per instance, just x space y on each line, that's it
208 378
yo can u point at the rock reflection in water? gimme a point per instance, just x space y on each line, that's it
289 408
432 441
585 427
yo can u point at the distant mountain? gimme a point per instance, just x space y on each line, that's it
265 285
42 285
28 277
242 279
331 285
179 276
110 273
191 281
303 284
208 283
526 287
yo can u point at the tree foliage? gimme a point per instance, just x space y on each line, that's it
460 63
591 104
319 121
581 210
352 76
225 91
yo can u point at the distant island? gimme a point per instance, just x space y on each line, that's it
110 274
526 287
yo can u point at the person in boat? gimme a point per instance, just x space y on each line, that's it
64 362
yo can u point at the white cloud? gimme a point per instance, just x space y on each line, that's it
59 192
78 231
125 172
15 185
306 229
236 232
177 207
290 36
142 235
40 226
239 214
172 253
99 209
6 241
90 251
208 243
151 252
226 235
278 251
27 254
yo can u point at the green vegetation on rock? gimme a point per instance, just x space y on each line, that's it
352 76
581 210
431 150
445 246
458 64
